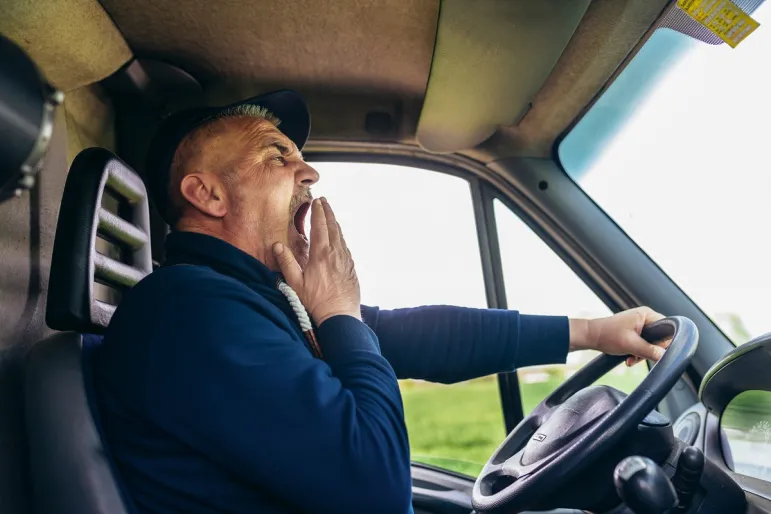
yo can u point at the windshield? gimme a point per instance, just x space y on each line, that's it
680 140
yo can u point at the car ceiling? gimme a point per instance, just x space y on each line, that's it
489 79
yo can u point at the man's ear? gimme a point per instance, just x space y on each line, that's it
206 193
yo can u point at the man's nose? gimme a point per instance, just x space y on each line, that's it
306 175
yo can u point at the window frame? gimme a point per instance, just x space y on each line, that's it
485 187
510 390
612 271
487 244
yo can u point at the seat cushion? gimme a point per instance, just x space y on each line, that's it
71 469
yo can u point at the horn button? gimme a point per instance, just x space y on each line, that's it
569 420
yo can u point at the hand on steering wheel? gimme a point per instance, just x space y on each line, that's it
577 424
618 335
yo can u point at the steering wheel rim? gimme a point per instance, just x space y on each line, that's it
533 481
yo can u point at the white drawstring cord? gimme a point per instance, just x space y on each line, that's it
297 306
302 316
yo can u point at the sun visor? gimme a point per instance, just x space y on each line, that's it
490 59
74 42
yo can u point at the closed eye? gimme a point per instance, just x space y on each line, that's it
278 152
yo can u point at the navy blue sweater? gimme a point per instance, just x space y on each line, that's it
211 401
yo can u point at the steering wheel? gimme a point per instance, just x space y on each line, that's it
576 424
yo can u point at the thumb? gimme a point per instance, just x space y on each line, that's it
642 348
288 265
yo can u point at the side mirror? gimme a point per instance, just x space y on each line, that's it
746 368
746 430
737 389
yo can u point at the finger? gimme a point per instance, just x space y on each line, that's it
333 228
342 240
641 348
643 316
289 266
319 232
650 316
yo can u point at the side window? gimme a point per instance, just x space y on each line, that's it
537 281
413 237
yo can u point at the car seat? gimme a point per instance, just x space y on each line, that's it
70 465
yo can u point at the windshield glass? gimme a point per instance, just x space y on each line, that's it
680 140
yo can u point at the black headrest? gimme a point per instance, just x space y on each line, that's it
76 265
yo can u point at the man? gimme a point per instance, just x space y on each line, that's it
244 375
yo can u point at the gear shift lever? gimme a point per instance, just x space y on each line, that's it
690 466
644 487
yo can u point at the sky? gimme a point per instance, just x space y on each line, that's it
694 156
691 154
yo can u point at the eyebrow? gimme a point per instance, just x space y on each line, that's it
282 146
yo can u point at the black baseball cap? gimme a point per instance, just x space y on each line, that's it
287 105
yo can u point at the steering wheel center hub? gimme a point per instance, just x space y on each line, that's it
569 420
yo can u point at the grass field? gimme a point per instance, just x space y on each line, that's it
458 426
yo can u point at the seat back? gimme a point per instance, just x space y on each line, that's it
71 470
70 465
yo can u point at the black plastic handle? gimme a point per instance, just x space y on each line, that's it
660 330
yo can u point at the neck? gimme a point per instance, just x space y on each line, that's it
239 239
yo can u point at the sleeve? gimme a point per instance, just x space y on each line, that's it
326 436
451 344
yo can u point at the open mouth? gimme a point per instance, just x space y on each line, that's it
299 218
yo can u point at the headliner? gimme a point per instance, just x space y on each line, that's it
350 57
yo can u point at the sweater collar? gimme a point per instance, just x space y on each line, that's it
221 256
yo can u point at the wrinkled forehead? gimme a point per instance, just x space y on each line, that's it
256 134
239 143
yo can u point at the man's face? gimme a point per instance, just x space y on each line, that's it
267 188
271 193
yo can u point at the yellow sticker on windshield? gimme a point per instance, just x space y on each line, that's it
724 18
